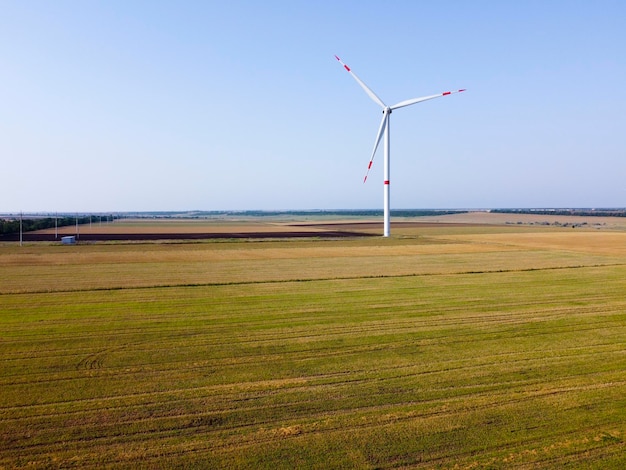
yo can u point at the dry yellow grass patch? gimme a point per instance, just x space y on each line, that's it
45 268
602 243
182 253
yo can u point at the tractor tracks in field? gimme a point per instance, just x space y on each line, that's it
93 361
96 360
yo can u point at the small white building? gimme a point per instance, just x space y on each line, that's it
68 240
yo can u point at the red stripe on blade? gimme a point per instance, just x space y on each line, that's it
447 93
386 181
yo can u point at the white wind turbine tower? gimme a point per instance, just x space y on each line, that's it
384 129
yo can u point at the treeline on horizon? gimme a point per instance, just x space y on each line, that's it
579 212
10 226
356 213
280 213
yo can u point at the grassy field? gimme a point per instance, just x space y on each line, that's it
443 347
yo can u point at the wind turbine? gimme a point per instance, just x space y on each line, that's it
384 129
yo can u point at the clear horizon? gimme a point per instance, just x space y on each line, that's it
304 211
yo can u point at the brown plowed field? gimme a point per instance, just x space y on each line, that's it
94 236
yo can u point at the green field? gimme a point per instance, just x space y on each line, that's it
477 347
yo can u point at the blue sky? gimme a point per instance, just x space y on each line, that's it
155 105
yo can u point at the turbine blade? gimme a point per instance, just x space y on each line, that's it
367 89
402 104
383 126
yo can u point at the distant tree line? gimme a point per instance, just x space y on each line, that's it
340 213
279 213
9 226
581 212
421 212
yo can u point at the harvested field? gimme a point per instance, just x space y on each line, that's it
446 346
495 218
